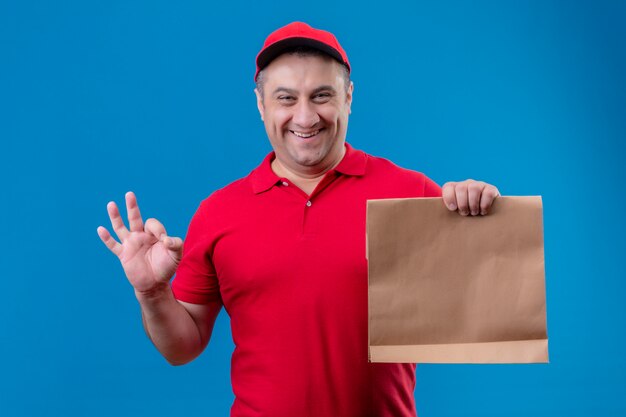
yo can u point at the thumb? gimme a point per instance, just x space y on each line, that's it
174 244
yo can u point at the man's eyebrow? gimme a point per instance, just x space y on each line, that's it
295 92
324 88
285 90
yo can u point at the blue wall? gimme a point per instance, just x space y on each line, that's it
97 98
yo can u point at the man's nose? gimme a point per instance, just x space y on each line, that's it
305 115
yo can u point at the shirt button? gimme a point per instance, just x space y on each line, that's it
308 203
285 183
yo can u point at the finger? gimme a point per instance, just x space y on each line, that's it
175 245
116 221
108 240
449 196
155 228
134 216
461 198
489 194
474 190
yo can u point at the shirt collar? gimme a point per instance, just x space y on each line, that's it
263 178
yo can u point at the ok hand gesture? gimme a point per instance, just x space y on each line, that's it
149 257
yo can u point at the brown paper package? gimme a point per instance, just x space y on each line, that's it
444 288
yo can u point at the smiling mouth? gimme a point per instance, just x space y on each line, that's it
306 135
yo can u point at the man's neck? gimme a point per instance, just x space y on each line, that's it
306 179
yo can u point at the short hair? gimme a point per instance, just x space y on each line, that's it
306 51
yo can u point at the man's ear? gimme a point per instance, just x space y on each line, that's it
349 97
259 103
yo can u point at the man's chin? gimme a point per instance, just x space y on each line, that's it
306 157
309 163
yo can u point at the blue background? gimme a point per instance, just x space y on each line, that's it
101 97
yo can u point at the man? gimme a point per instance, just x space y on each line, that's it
283 250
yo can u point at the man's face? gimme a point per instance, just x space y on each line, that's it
305 108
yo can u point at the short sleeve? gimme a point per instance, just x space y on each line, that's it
431 188
196 281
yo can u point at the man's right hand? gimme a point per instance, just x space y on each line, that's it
149 257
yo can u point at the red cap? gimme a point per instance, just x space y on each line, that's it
299 34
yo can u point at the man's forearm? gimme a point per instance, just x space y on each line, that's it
169 326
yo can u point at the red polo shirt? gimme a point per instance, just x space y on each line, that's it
292 274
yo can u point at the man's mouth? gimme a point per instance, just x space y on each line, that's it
306 135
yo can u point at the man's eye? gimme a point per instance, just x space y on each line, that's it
285 98
321 96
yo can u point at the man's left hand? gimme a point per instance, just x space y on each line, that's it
469 197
